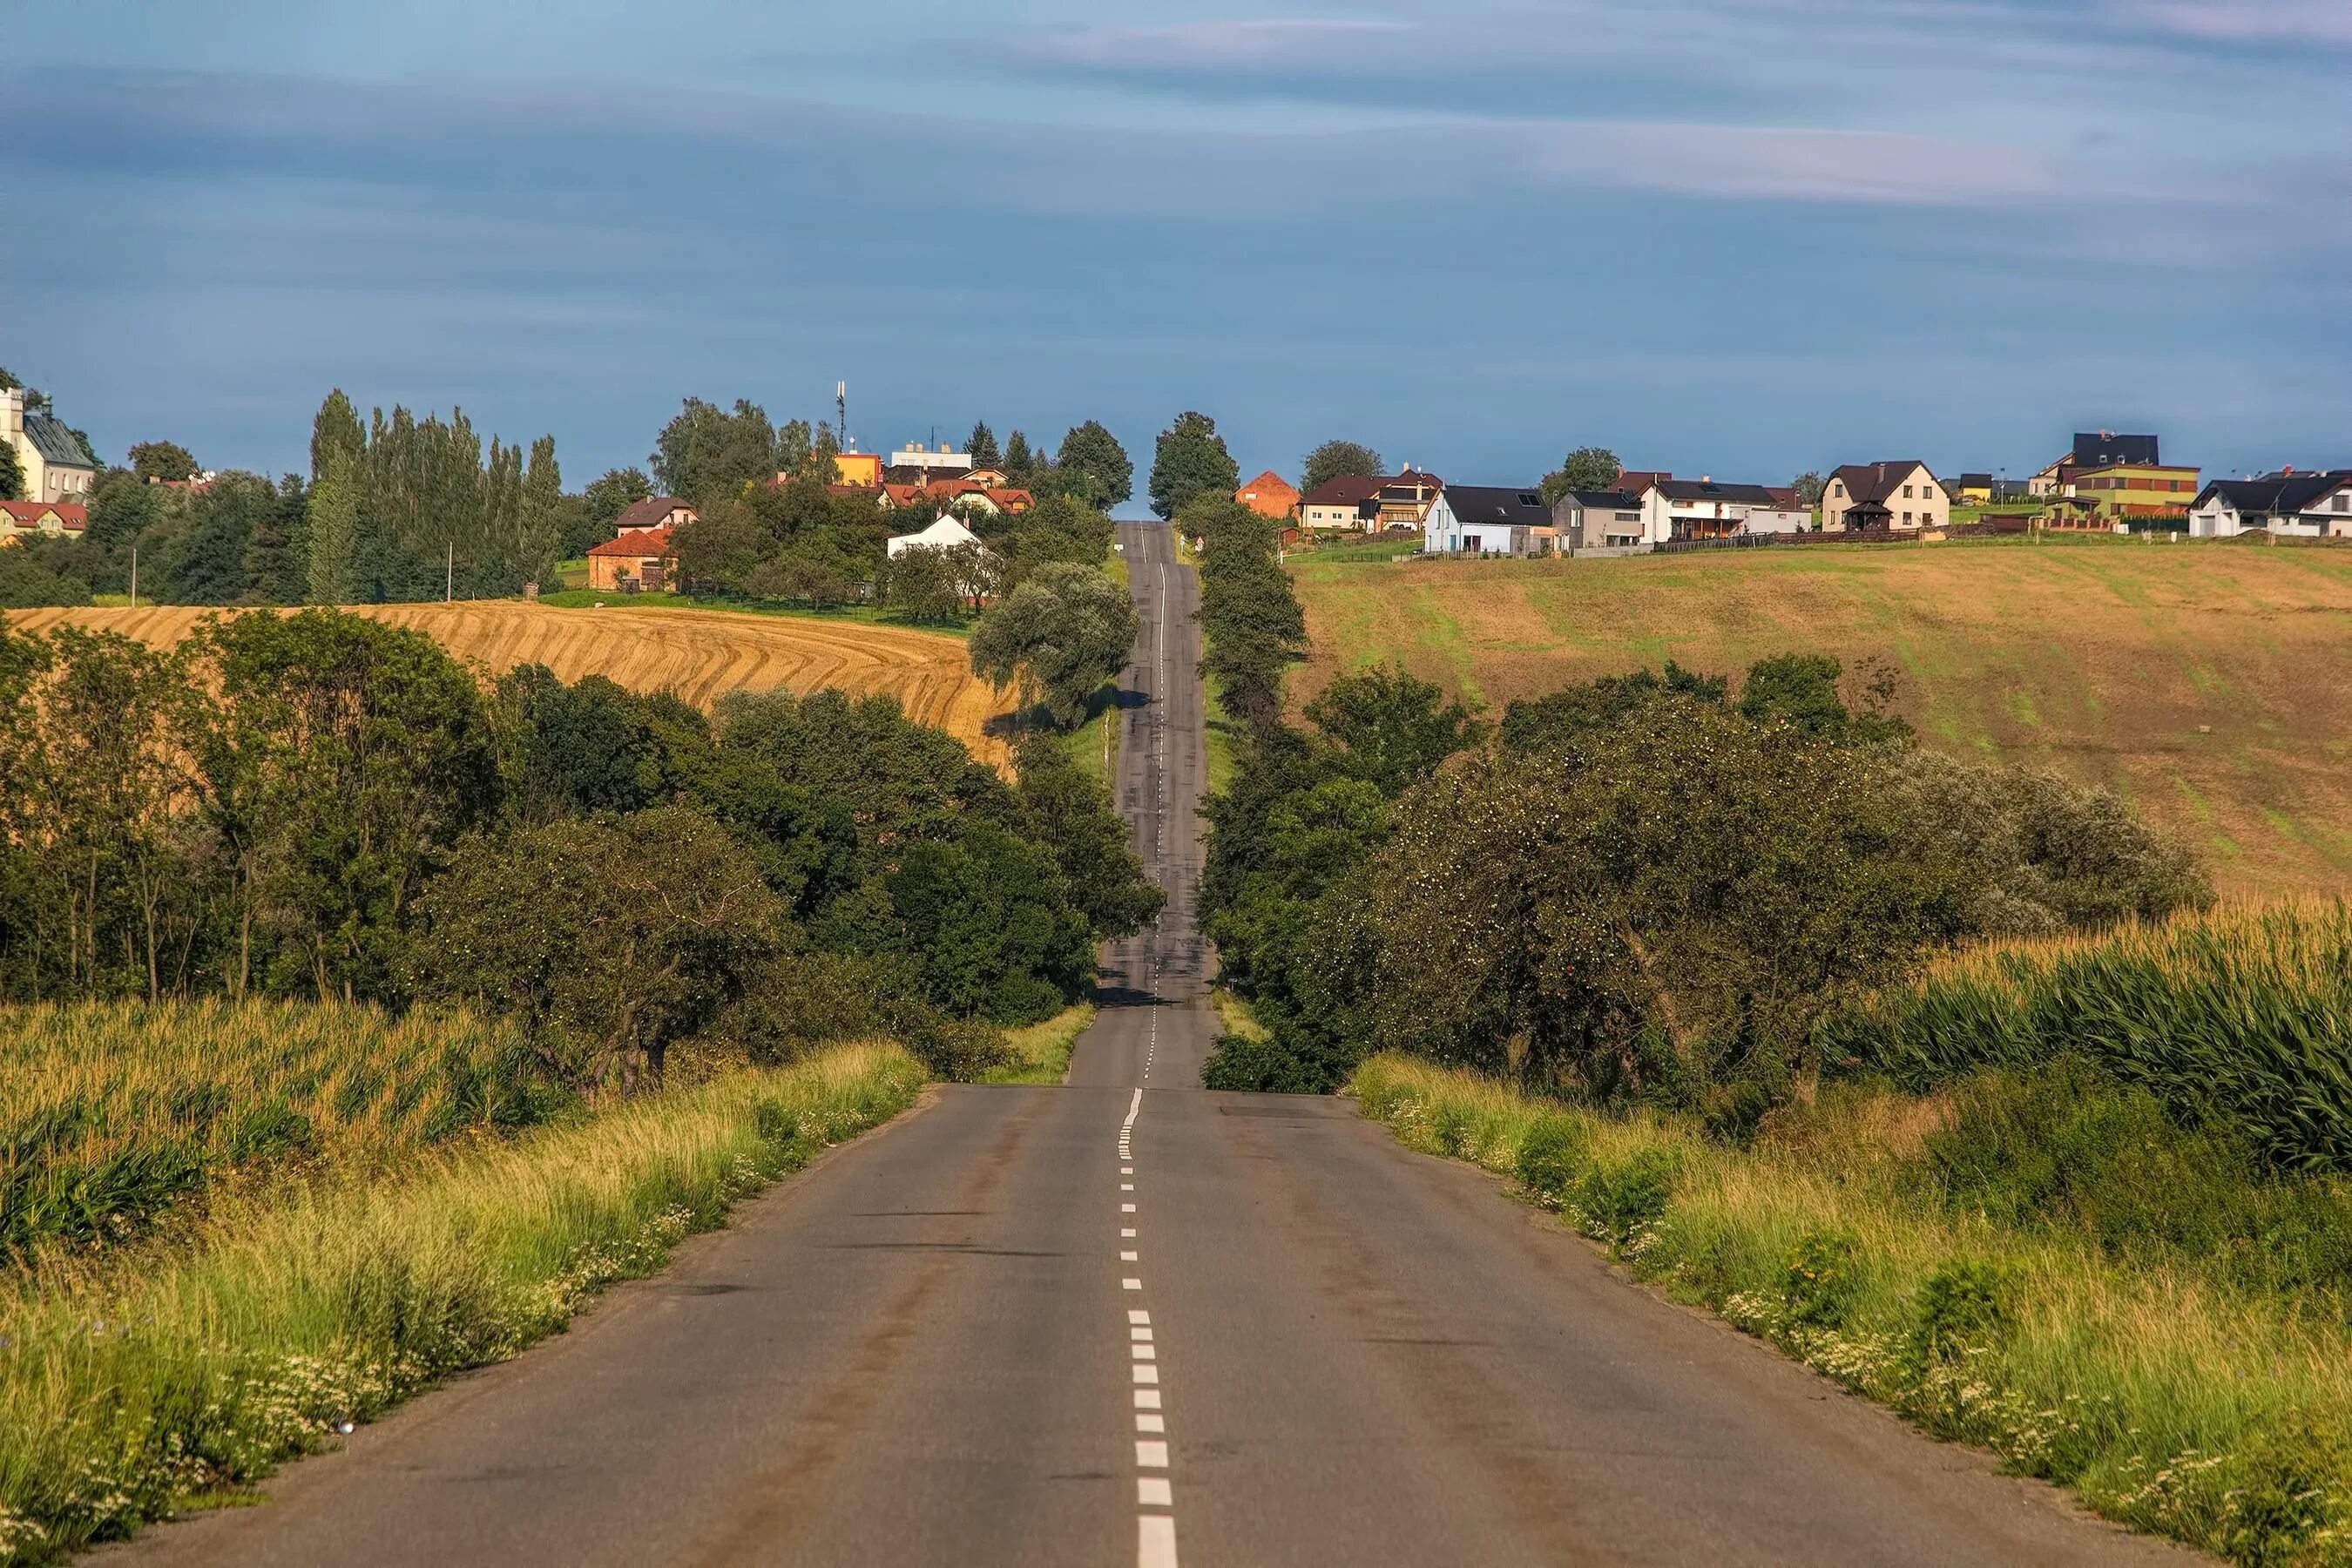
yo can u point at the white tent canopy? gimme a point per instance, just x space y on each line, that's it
944 534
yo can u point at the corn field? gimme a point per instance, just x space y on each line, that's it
2240 1018
110 1113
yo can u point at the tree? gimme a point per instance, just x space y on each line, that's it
330 574
706 454
343 760
335 429
1071 811
575 749
620 934
1808 486
539 530
1020 463
1058 637
1191 462
162 460
1333 459
795 441
277 547
12 474
1251 625
609 495
206 564
923 583
1094 467
1392 729
1586 468
981 445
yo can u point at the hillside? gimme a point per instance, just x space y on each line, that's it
699 653
2210 684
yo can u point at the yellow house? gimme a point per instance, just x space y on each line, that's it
48 455
862 468
2135 489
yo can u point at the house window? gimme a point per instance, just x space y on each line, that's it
1906 517
1907 493
2343 503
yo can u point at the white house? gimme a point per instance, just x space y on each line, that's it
48 455
1481 520
1700 508
2311 505
945 534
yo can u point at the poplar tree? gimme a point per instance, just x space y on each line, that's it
334 516
542 512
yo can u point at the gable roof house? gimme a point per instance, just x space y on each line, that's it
2317 505
1349 503
944 533
653 512
43 519
1404 499
1699 508
639 558
1597 520
1482 519
1269 495
1904 490
56 466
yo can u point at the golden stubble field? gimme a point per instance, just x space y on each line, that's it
700 654
2211 684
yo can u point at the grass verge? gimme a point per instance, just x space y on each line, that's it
1041 1053
136 1382
2169 1402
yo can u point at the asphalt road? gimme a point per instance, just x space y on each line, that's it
1128 1321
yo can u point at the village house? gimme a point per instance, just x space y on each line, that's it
1347 504
1481 520
48 455
41 519
2127 489
1269 495
2092 450
655 511
915 464
1404 500
863 469
1597 520
1902 494
638 560
960 495
1699 508
2310 505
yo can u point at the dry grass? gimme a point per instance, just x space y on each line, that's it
2210 684
700 654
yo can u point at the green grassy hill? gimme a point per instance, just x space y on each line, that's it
2210 683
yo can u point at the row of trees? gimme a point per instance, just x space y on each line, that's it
1644 886
321 805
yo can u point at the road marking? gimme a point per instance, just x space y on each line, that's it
1139 1335
1138 1315
1148 1423
1144 1372
1147 1399
1154 1491
1155 1541
1126 1187
1155 1528
1131 1283
1127 1208
1127 1258
1143 1352
1126 1230
1127 1169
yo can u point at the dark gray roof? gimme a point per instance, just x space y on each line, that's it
1876 481
2105 449
1486 503
1709 490
1604 500
2273 495
54 441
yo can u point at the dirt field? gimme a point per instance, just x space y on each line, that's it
700 653
2210 683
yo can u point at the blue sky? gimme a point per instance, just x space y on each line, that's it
1742 237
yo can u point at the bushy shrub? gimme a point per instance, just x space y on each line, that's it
1260 1064
1960 1306
1618 1200
1551 1158
1819 1282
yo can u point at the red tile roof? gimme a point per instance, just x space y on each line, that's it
71 514
645 544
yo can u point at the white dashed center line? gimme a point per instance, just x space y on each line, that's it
1155 1531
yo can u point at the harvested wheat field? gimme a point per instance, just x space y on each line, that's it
2210 683
700 654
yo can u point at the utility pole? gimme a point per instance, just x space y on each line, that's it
449 575
841 413
134 576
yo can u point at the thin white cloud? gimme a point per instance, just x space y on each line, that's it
1273 41
1797 162
2247 21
